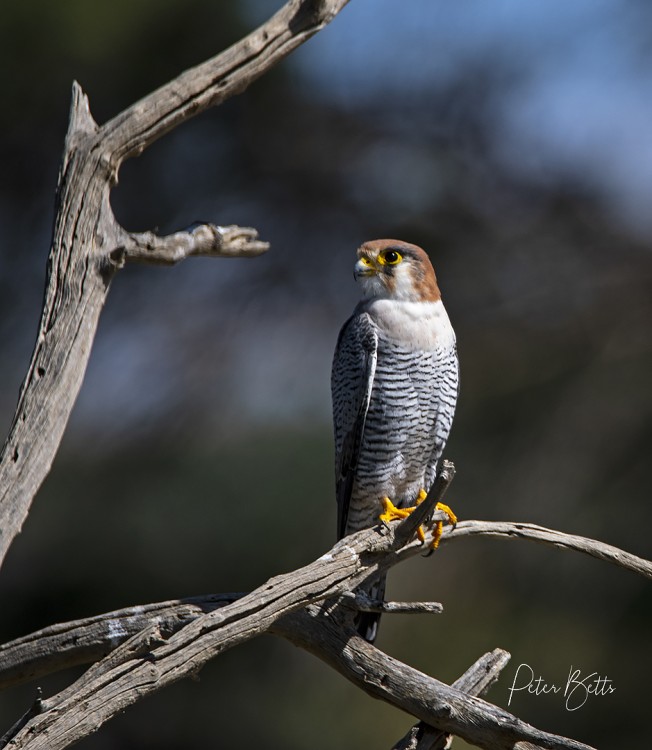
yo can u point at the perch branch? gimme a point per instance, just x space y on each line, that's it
81 641
341 648
542 535
90 702
86 640
160 644
149 660
88 245
425 509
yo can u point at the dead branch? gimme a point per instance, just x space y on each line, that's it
362 603
477 680
106 690
86 640
139 650
515 530
202 239
438 705
152 646
89 246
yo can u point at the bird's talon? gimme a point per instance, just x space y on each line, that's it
436 534
391 512
452 518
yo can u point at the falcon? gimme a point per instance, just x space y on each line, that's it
394 386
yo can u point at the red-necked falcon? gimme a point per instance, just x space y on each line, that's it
394 386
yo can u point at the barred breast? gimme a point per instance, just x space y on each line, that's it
408 422
410 407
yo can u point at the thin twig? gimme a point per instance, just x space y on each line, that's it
363 603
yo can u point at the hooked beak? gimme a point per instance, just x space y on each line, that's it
363 267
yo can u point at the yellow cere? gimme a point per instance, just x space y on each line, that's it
390 258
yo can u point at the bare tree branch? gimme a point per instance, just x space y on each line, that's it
516 530
92 700
438 705
326 636
363 603
217 79
139 650
88 244
82 641
436 494
161 643
202 239
477 680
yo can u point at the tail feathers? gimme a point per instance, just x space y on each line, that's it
366 623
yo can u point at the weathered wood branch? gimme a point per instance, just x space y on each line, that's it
100 694
439 705
202 239
158 644
476 681
362 603
88 244
217 79
542 535
87 640
83 641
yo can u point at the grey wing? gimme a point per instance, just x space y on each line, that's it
354 365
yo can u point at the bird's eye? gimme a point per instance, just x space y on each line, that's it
391 257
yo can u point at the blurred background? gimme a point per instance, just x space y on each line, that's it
513 140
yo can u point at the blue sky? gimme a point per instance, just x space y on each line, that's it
580 93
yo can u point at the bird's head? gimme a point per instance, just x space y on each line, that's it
391 269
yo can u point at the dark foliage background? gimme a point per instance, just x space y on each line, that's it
512 140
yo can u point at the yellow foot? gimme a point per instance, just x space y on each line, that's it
392 513
439 525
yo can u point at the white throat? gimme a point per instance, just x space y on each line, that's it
422 325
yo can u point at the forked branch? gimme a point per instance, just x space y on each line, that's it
154 645
88 244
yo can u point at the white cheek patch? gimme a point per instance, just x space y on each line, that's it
403 283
